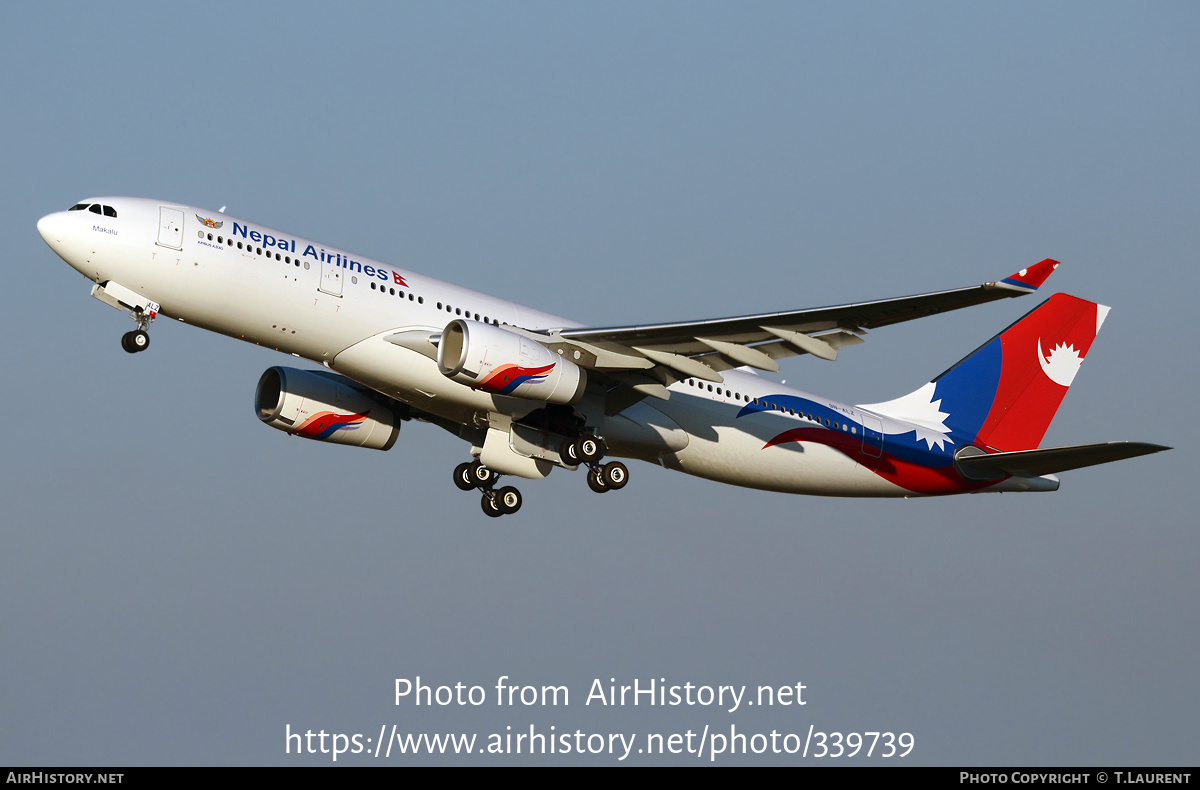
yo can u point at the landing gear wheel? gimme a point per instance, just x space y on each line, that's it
615 475
595 478
508 499
570 452
590 449
135 341
463 478
481 476
491 504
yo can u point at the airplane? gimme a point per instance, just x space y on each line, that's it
529 391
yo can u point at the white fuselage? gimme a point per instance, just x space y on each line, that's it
335 308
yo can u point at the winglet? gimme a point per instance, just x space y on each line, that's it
1032 278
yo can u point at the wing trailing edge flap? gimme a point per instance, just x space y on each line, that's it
975 464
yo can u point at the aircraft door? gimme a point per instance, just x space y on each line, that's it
331 278
170 228
872 436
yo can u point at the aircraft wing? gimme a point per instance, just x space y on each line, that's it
649 358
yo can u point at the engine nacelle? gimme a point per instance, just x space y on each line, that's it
325 407
490 358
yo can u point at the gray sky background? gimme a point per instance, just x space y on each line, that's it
180 583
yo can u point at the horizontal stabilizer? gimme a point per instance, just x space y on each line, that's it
975 464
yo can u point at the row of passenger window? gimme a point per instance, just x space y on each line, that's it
396 292
718 390
828 423
391 291
247 247
467 314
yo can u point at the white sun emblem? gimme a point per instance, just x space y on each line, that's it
1062 363
920 411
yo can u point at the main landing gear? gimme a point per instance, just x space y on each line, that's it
586 450
589 450
495 502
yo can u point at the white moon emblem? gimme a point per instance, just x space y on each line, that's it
1061 365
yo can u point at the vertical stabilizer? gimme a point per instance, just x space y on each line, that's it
1005 393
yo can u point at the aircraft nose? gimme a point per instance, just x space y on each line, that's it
51 229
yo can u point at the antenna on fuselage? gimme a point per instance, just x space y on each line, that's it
221 210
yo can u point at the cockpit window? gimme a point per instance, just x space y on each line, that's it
95 208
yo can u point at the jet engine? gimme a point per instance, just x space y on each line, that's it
324 406
493 359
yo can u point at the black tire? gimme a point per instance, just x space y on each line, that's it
491 505
482 476
569 453
462 476
615 475
508 499
126 344
595 480
590 449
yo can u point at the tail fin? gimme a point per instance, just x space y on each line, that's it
1005 393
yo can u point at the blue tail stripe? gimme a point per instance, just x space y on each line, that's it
968 390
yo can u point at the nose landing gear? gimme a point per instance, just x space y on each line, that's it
139 339
135 341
